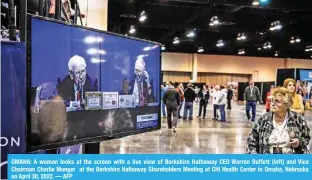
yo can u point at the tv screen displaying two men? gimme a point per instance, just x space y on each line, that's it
87 84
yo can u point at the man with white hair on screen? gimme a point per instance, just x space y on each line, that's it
74 86
142 87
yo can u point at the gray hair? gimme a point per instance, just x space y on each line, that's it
75 62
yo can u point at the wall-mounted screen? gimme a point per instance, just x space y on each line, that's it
86 84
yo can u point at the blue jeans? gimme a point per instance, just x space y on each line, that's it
188 107
222 112
252 105
215 108
163 108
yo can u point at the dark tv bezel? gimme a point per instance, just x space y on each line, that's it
49 146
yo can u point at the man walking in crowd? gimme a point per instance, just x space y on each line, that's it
229 98
189 95
204 96
172 102
163 106
215 100
251 96
181 92
222 102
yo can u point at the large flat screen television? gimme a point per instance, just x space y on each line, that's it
88 85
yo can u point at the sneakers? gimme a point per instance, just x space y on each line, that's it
174 129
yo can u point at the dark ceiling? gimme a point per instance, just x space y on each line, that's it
167 19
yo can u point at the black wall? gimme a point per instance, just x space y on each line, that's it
283 74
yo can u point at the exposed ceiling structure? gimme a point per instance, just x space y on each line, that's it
242 26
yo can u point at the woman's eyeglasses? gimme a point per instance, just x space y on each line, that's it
277 101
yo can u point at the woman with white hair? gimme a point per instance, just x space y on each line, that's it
280 131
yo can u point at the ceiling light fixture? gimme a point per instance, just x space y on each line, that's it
267 45
143 16
308 48
200 50
255 3
292 40
298 40
132 30
163 47
276 26
176 40
214 21
220 43
191 34
241 51
276 53
241 36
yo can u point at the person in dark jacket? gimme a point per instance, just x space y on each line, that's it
172 102
251 96
204 98
189 97
229 98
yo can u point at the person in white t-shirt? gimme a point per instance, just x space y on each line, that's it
222 102
215 101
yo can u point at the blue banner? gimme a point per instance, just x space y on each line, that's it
306 75
13 101
153 166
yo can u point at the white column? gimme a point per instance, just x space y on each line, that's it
96 13
194 67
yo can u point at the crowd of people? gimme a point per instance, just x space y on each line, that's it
282 129
174 96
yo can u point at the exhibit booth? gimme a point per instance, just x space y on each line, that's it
69 86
